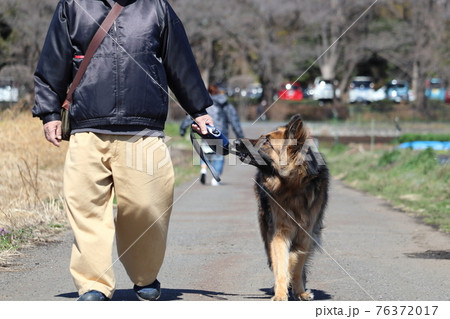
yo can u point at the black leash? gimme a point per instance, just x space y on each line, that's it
203 156
218 144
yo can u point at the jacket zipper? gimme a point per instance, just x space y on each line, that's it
116 44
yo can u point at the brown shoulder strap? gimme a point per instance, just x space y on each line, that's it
93 45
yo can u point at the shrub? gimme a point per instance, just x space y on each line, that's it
424 161
389 158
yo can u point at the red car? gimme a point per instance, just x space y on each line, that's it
290 91
447 96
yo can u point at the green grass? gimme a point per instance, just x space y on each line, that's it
172 129
12 240
184 169
411 180
172 132
5 239
411 137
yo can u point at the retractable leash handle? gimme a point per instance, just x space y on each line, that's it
216 141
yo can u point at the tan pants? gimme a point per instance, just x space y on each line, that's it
138 171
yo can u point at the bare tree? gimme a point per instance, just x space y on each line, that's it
269 35
416 40
215 48
272 40
338 31
29 20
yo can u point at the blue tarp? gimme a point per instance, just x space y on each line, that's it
422 145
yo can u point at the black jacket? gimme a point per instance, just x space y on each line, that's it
126 82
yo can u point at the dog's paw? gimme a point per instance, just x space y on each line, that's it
280 298
306 296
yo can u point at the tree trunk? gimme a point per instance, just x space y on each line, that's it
328 69
418 84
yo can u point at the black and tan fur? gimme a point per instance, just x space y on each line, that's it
291 187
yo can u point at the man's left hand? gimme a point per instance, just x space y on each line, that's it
52 131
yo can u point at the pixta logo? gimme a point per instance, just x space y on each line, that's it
147 153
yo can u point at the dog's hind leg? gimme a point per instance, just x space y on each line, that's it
279 253
299 276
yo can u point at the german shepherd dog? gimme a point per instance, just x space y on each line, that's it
291 187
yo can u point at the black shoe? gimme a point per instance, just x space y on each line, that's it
93 295
148 293
203 178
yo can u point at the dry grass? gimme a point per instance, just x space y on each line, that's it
31 172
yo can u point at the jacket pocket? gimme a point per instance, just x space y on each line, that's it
76 62
160 78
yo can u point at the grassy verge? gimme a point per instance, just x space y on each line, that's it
30 181
181 153
30 184
414 181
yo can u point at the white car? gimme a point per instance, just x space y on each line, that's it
9 94
323 90
361 90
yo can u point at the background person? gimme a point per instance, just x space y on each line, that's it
224 114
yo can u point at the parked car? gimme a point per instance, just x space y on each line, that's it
379 94
397 91
291 91
253 91
323 90
447 96
9 93
435 89
361 90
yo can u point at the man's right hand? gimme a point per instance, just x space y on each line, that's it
52 131
200 123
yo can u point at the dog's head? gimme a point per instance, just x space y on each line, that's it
282 152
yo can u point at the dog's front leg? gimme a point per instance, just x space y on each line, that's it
279 252
299 277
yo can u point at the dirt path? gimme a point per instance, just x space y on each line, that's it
371 252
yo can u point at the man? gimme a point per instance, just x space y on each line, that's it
118 108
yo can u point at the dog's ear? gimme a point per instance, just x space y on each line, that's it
295 129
